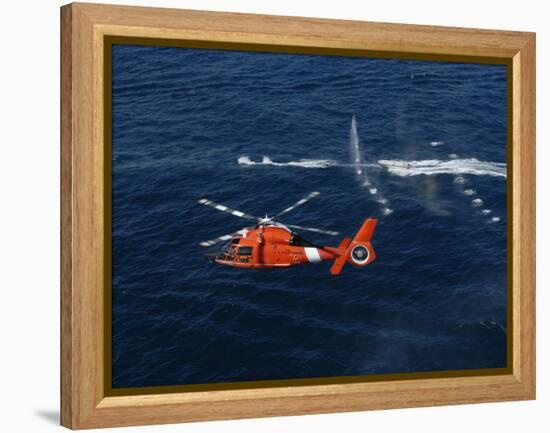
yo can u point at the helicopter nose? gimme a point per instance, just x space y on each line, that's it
210 256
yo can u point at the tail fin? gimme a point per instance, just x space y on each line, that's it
366 231
341 256
357 251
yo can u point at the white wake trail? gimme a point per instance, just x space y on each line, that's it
397 167
304 163
471 166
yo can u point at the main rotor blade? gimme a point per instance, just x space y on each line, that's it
223 208
298 203
222 238
311 229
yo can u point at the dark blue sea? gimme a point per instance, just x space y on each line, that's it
258 131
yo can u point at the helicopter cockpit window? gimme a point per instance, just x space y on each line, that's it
244 254
245 251
231 251
299 241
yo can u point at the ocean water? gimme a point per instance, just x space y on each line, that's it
256 132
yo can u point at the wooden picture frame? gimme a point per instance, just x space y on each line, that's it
86 398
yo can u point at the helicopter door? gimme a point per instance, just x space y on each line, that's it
279 254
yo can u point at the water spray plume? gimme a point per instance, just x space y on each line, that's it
355 148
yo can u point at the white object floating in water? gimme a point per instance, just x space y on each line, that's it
453 156
383 200
495 219
373 190
477 202
387 211
486 211
244 160
469 191
437 143
460 180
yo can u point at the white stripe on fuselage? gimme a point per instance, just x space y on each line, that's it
312 255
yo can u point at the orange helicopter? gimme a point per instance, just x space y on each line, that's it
270 244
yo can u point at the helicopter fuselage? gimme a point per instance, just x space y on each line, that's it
271 247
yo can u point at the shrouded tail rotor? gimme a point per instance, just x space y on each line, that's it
357 251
